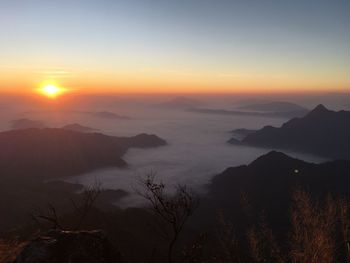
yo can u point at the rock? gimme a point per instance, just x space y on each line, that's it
70 247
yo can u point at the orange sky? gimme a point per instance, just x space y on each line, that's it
167 81
192 46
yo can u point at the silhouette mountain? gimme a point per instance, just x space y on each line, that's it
321 132
59 152
78 128
105 115
108 115
243 131
267 185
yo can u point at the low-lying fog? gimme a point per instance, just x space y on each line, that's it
197 143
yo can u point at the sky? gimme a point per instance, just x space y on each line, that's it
175 46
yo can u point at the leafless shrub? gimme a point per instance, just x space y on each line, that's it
89 196
173 210
49 216
81 209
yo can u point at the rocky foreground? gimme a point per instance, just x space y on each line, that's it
73 247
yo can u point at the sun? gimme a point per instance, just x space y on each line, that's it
51 91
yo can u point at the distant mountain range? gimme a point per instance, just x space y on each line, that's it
277 114
181 103
278 109
321 132
98 114
240 134
60 152
78 128
275 106
107 115
23 124
243 132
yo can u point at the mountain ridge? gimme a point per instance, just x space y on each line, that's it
321 132
60 152
267 184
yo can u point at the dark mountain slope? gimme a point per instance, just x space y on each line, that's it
267 184
59 152
322 132
29 157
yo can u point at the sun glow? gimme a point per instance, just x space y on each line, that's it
51 91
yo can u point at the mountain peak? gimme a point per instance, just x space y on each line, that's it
320 109
273 155
275 160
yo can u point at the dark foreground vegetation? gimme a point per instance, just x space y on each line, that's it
297 223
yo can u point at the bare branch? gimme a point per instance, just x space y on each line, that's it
174 210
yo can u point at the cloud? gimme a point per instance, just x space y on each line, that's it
55 73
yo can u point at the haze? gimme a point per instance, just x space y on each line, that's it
197 143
